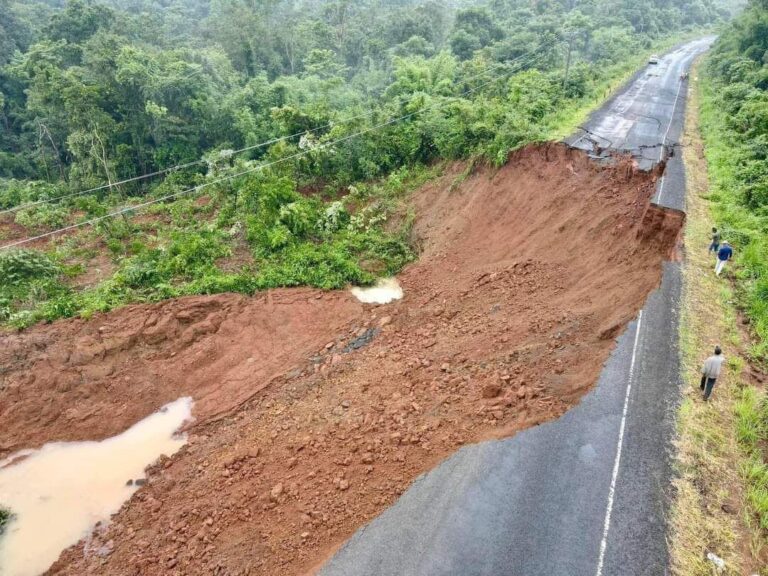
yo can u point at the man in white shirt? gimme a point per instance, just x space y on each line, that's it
711 371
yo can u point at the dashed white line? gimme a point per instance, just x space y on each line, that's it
620 446
672 118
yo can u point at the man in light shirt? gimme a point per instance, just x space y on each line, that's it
711 371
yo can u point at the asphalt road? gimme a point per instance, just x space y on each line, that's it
585 495
647 118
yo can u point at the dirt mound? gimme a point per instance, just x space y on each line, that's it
90 379
527 275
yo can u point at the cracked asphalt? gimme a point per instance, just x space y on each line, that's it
586 495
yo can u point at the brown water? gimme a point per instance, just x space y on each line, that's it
383 292
60 492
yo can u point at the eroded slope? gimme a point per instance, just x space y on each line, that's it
527 275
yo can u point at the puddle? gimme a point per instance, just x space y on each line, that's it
60 492
384 291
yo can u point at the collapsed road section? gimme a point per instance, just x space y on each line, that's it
527 275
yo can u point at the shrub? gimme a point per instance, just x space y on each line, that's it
190 253
327 266
21 266
17 192
42 217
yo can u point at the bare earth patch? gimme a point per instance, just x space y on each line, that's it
315 412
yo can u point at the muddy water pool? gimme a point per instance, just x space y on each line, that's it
57 494
383 292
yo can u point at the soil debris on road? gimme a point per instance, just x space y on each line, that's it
526 275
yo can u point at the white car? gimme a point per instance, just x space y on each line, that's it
654 59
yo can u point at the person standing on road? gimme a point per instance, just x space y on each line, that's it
715 246
723 256
711 372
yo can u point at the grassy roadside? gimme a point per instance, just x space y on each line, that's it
718 456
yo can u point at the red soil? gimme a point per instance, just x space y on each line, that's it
90 379
526 277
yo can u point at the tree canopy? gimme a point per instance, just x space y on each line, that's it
100 90
347 102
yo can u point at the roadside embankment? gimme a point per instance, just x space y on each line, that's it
310 424
719 453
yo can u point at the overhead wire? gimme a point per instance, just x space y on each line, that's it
250 148
260 167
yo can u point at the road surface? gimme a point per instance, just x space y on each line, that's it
585 495
646 117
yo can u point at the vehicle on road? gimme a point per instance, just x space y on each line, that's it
654 60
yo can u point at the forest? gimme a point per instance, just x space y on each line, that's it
237 145
735 119
734 125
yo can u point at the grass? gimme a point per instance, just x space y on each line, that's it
732 161
720 486
752 433
181 249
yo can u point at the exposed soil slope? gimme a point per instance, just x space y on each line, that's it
527 275
85 380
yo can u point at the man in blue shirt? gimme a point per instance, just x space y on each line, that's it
723 255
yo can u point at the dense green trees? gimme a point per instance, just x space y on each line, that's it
736 127
94 92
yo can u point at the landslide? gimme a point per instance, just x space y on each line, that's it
527 275
91 379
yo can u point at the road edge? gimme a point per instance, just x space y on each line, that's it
708 514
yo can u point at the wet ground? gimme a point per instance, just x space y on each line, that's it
59 493
329 408
585 495
383 292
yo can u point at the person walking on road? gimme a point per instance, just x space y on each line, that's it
715 246
723 256
711 372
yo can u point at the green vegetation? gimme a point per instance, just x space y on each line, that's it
717 458
722 492
95 93
752 432
735 127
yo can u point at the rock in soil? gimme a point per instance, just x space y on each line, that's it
534 267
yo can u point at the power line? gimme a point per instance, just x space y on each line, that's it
256 168
232 153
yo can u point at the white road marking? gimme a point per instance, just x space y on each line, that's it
614 127
622 428
619 127
661 190
617 462
672 118
666 135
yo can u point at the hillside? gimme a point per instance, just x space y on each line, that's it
195 196
350 105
